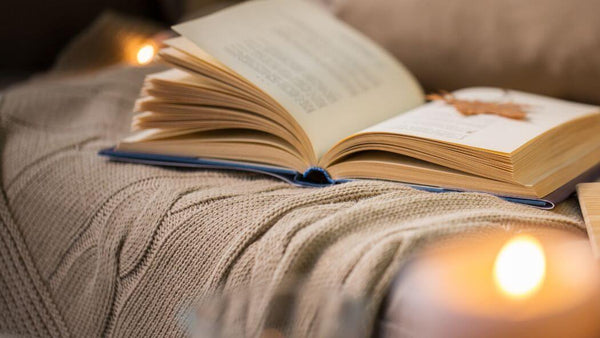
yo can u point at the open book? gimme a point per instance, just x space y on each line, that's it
283 87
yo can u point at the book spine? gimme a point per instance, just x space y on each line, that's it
314 177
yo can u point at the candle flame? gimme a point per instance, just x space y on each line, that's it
520 267
145 54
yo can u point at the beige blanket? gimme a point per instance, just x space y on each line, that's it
89 247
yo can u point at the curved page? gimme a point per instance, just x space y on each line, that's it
333 80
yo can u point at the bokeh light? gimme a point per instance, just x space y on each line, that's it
520 267
145 54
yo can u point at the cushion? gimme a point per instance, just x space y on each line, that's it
549 47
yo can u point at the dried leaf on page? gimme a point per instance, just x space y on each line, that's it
473 107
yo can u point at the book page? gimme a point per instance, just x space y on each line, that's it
442 122
333 80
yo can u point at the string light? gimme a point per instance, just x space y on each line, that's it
145 54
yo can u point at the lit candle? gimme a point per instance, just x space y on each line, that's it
520 267
542 284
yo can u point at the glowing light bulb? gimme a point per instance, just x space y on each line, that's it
520 267
145 54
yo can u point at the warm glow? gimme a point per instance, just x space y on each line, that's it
520 267
145 54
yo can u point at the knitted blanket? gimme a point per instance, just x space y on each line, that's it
90 247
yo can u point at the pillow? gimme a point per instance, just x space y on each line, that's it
549 47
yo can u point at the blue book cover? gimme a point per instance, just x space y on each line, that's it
317 177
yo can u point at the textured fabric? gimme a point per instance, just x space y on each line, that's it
545 46
89 247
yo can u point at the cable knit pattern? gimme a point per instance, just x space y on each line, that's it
90 247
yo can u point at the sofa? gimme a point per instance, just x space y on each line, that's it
91 247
